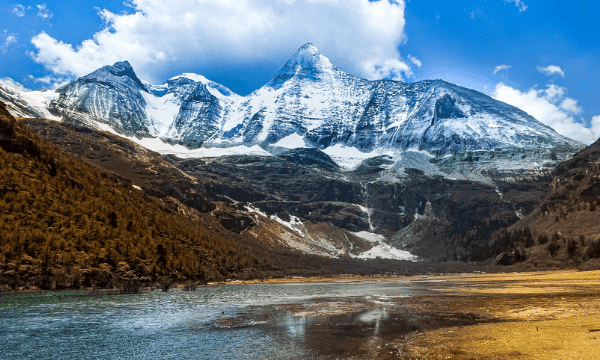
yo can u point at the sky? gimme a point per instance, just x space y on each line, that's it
542 56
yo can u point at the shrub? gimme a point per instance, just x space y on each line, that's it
593 250
130 286
520 255
571 247
553 248
165 283
190 286
529 242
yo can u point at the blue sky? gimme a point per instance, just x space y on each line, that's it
542 56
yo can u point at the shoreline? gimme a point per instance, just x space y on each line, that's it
342 278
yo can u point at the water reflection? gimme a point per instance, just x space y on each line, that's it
243 322
295 326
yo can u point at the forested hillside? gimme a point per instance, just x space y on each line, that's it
64 223
564 230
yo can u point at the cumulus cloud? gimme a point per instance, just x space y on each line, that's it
552 107
44 12
360 36
571 106
551 70
501 67
519 4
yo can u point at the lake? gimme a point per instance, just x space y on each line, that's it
262 321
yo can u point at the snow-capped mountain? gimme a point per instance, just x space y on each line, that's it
308 103
29 104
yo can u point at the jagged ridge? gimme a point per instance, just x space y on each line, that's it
308 98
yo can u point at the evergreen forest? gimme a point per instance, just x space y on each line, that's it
67 224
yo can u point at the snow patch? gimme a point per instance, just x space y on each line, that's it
292 141
185 153
381 250
39 101
350 157
294 224
161 111
499 192
256 210
422 152
385 251
519 214
163 148
369 236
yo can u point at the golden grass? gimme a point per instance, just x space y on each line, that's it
554 315
568 338
322 279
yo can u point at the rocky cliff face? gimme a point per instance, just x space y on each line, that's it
110 95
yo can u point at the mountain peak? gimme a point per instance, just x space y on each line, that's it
306 63
306 57
121 69
123 65
308 49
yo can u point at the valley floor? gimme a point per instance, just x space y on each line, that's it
552 315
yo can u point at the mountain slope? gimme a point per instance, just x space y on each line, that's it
363 157
570 205
302 201
66 223
563 230
224 194
29 104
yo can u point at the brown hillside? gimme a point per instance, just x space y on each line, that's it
64 223
565 229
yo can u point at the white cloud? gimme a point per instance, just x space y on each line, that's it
519 4
553 108
571 106
551 70
501 67
8 40
360 36
44 12
53 82
595 123
13 84
19 10
390 69
415 61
